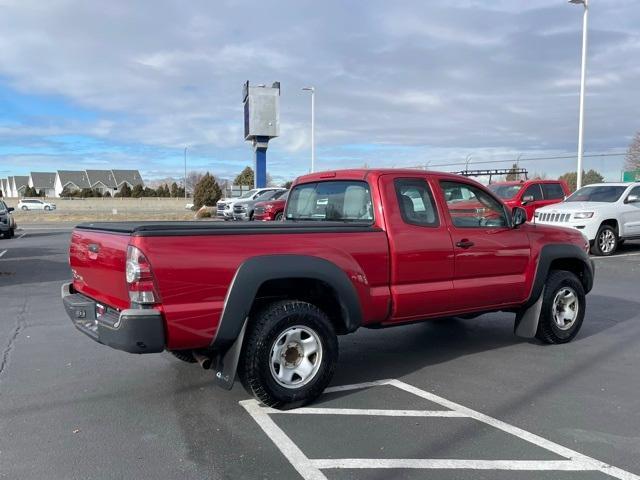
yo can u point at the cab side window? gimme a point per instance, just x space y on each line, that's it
533 191
416 202
471 207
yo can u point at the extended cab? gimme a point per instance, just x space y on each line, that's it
358 248
531 194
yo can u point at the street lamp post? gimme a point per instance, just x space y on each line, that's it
466 163
313 126
585 19
185 174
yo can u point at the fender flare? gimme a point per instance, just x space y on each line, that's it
255 271
526 324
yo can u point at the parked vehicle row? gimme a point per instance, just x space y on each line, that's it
258 204
359 248
607 214
7 222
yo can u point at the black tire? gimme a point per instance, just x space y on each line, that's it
605 231
11 233
25 208
548 330
255 369
279 217
47 208
184 355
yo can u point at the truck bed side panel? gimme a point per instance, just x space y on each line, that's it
194 273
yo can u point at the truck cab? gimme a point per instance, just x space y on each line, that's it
531 194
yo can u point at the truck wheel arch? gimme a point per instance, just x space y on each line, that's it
552 257
258 271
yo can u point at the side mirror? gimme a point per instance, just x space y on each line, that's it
526 199
10 209
518 216
633 199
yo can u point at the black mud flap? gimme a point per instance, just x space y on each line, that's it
526 324
227 363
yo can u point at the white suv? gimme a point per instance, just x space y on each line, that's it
35 204
606 213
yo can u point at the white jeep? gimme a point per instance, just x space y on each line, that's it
606 213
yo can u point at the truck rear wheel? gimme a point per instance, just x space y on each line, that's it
289 355
563 308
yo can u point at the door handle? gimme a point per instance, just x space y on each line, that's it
464 243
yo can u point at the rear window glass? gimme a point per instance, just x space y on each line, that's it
331 201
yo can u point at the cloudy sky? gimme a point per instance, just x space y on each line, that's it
129 84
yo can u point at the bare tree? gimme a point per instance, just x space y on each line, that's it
192 180
632 159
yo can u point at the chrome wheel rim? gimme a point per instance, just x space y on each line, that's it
565 308
607 241
296 356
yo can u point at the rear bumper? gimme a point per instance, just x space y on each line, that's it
133 331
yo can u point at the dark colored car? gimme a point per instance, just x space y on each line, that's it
7 222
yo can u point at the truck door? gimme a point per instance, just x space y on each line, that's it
491 258
420 246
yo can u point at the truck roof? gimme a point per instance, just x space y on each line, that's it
363 173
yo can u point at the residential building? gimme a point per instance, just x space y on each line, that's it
43 182
130 177
19 185
102 181
71 180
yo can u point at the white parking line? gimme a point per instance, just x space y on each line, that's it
22 235
311 469
3 252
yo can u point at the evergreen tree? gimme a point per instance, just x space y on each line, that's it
138 191
125 191
207 192
174 190
245 178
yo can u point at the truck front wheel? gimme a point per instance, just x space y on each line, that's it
289 355
563 308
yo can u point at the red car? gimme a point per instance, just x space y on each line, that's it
531 194
272 210
359 248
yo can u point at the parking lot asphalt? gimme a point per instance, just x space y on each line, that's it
452 399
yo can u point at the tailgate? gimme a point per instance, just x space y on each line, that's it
97 263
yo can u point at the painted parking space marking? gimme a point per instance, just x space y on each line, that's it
616 256
311 469
2 253
22 235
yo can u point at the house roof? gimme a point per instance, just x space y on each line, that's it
103 176
78 178
130 176
21 181
43 180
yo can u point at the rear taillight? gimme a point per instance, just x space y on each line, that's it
142 290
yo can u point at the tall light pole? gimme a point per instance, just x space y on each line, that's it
466 163
313 126
585 19
185 174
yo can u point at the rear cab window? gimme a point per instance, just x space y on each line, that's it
416 202
471 207
331 201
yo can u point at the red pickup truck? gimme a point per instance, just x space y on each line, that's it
531 194
358 248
